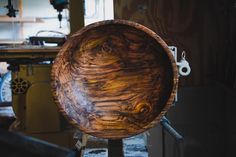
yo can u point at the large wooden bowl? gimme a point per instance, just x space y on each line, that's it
114 79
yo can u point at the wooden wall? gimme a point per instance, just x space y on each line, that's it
204 29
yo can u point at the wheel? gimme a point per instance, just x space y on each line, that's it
5 88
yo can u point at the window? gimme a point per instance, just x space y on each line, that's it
37 15
98 10
33 16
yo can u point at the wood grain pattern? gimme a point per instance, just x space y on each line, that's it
204 29
114 79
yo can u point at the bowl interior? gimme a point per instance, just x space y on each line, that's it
113 80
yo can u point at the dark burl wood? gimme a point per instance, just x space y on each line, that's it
114 79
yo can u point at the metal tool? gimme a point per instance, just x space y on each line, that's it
59 5
184 68
167 126
11 10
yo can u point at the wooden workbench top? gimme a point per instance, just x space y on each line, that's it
27 53
27 49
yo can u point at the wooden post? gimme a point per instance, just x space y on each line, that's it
76 15
115 148
21 33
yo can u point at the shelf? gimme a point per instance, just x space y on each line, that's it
5 19
10 42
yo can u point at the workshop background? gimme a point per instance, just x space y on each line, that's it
206 30
204 113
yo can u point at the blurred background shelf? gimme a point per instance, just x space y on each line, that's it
5 19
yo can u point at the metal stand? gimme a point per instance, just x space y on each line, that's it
115 148
167 127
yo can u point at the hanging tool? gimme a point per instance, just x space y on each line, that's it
11 10
59 5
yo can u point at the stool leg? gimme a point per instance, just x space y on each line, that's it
115 148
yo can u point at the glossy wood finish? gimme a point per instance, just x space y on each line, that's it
114 79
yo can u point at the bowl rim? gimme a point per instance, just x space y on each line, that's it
120 22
